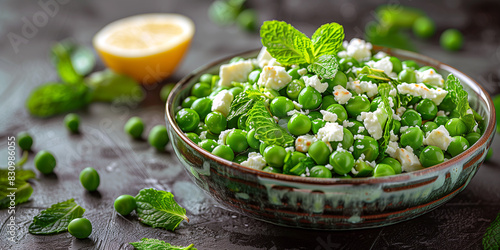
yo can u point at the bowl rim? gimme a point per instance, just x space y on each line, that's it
422 59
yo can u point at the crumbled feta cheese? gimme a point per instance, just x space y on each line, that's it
360 146
297 105
430 77
396 117
222 102
469 112
384 64
391 102
380 55
329 167
439 137
302 71
373 122
289 149
331 132
409 161
314 82
371 89
361 129
392 149
393 92
264 57
356 137
441 113
203 135
418 89
393 137
341 94
237 71
347 124
400 111
303 142
255 160
403 129
351 149
329 116
372 164
358 49
362 157
223 136
274 77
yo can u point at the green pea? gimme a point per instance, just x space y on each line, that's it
254 76
201 90
320 172
313 115
342 162
247 20
208 144
319 152
363 169
327 101
427 109
158 137
347 140
262 147
275 155
357 128
429 126
455 126
316 125
397 127
90 179
347 63
375 103
72 122
200 128
272 170
45 162
294 89
216 122
188 119
472 138
296 156
235 91
430 156
125 204
411 118
134 127
457 145
294 73
193 137
81 228
236 59
217 91
447 104
339 79
299 124
202 106
356 105
165 91
424 27
251 140
393 163
451 40
237 140
240 158
407 75
441 120
24 140
414 100
339 110
412 137
410 64
397 66
382 170
224 151
424 68
280 106
310 98
186 103
206 78
366 146
488 155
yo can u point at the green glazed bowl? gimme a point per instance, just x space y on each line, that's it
330 204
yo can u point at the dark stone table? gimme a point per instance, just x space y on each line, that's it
126 166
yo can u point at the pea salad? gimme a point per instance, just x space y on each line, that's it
324 107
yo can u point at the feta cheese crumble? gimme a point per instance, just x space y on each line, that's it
222 102
358 49
274 77
418 89
360 87
373 122
384 64
303 142
237 71
439 137
255 160
341 95
430 77
314 82
329 116
331 132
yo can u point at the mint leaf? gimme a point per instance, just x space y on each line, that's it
109 86
327 39
491 239
461 98
243 103
158 208
285 43
266 128
326 66
61 57
384 89
56 218
155 244
23 189
375 74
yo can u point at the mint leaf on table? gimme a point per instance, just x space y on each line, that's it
109 86
22 188
491 239
243 103
285 43
158 208
461 98
327 39
326 66
82 58
266 129
155 244
61 57
56 218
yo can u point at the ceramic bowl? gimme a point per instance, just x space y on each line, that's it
330 204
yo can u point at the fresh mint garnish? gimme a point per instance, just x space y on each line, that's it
460 98
491 239
56 218
266 129
23 189
243 103
108 86
384 89
290 46
158 208
155 244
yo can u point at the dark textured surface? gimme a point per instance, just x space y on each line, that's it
126 166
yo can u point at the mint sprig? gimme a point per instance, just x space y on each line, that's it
384 89
266 129
491 239
158 208
290 46
150 244
460 98
56 218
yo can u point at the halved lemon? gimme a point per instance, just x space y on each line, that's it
145 47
